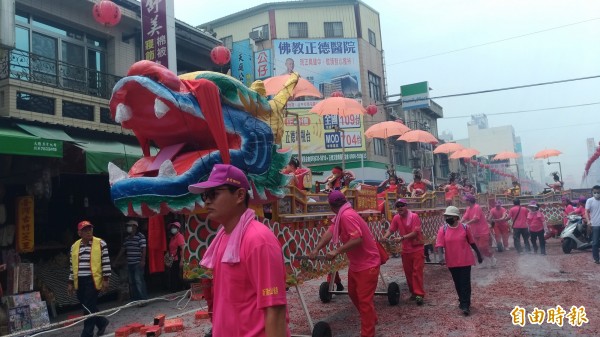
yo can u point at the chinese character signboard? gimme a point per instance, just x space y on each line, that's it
320 141
241 62
25 224
263 65
329 64
415 96
158 33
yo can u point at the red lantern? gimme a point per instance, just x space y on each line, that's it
107 13
337 94
220 55
372 109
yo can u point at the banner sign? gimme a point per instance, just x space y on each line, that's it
415 96
263 64
158 32
242 62
25 238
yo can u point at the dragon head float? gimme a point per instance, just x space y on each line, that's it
195 120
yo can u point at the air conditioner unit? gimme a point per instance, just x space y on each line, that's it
257 35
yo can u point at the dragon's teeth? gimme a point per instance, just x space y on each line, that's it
167 169
160 108
123 113
115 173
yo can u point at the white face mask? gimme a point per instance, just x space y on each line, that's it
597 195
129 229
174 230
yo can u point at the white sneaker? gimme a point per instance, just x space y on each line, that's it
494 261
484 264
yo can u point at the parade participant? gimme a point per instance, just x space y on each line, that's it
338 179
89 275
568 208
537 227
457 241
246 259
557 185
479 226
580 210
499 219
452 190
301 176
592 215
176 247
360 247
518 216
408 226
468 188
390 185
135 248
515 190
419 185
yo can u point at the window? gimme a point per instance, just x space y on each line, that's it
379 147
78 111
228 42
334 29
35 103
374 86
298 29
372 38
105 116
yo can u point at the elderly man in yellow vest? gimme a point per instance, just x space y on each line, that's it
90 270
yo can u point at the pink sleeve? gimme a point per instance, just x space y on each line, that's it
267 275
180 241
416 223
394 225
439 241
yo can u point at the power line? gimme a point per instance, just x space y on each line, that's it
492 42
531 110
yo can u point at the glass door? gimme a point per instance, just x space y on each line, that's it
73 67
43 59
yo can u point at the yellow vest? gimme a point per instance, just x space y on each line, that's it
95 262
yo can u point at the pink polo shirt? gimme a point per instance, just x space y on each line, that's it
497 214
580 210
521 220
535 221
242 291
457 248
176 241
568 209
405 227
480 226
365 255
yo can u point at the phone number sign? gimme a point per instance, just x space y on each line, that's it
349 139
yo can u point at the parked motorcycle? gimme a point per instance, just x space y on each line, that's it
574 236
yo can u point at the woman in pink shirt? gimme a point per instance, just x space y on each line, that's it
568 208
481 230
457 241
176 246
537 227
580 210
452 190
499 218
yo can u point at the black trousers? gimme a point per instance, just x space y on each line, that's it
175 282
88 297
524 232
462 282
538 235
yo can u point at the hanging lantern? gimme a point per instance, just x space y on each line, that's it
337 94
220 55
372 109
107 13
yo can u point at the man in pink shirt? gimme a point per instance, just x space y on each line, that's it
475 218
246 259
518 216
358 243
408 225
499 218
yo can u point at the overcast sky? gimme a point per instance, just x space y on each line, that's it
562 42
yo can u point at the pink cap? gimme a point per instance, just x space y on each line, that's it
175 224
222 174
533 203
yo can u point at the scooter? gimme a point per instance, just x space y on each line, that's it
574 235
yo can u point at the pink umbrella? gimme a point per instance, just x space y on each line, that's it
340 106
545 154
419 136
506 155
386 129
448 148
303 88
464 153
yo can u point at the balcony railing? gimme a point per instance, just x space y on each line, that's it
25 66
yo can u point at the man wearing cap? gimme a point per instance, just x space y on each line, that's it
498 217
518 216
537 226
408 226
89 274
135 247
246 259
475 218
358 243
176 247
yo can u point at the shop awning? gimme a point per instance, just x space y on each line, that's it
13 141
99 153
46 132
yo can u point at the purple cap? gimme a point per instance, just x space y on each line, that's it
498 203
401 201
582 200
222 174
336 198
470 197
533 203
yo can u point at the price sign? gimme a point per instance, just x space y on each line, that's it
350 139
344 122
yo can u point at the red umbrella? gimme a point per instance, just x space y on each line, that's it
448 148
545 154
386 129
464 153
303 88
340 106
506 155
419 136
